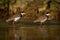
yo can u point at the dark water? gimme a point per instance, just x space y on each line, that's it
30 31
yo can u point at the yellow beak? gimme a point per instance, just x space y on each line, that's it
48 14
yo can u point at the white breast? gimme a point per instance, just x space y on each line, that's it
17 18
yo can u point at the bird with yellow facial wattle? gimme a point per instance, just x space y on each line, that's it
47 15
43 18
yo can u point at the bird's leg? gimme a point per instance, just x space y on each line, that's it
15 35
44 29
41 23
14 30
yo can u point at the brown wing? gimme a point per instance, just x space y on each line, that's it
40 19
12 18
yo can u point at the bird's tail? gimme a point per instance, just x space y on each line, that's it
7 20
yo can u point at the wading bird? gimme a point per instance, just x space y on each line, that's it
42 19
14 19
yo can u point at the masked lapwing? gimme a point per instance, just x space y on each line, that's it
43 18
15 17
